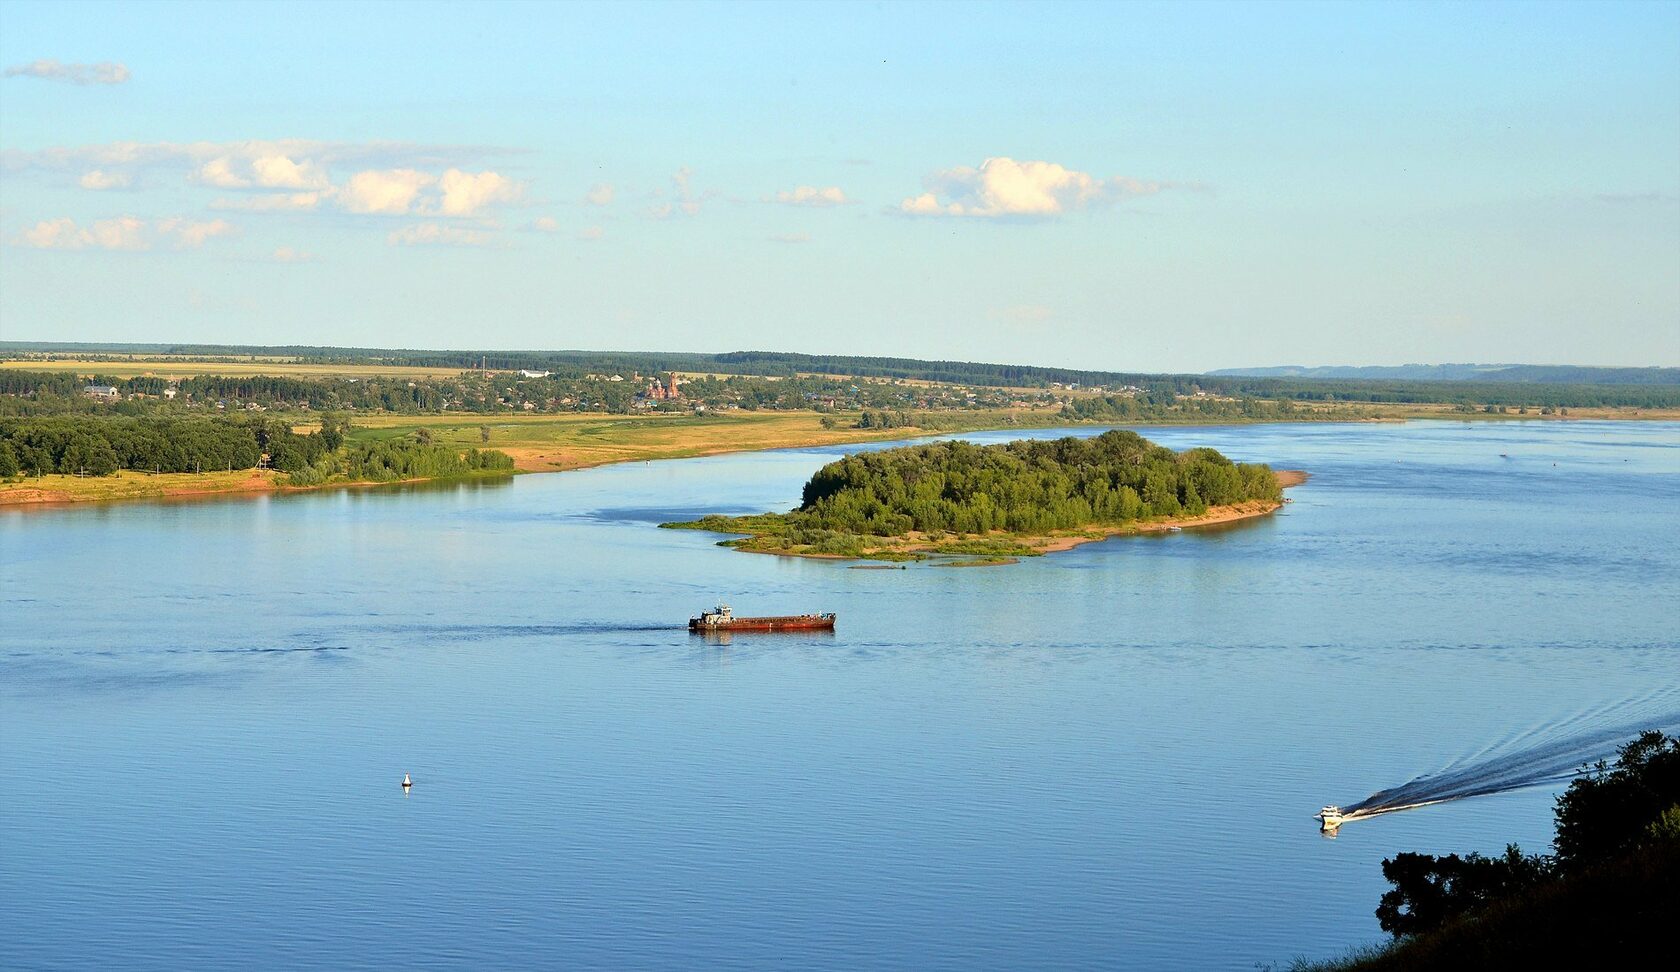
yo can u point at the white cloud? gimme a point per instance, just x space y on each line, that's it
274 171
271 203
465 193
545 224
280 172
600 194
396 192
48 69
219 173
286 254
98 179
437 234
591 233
791 238
122 233
812 196
1003 187
389 191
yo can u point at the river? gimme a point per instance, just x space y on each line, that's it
1104 758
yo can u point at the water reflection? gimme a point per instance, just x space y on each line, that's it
778 638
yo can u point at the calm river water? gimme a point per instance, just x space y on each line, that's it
1105 758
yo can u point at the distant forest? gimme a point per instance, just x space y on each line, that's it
1515 386
100 445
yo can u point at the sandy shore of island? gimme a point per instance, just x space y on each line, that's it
1215 516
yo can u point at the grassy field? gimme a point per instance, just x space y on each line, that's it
164 367
542 443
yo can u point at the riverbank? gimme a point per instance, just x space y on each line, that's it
556 443
537 443
127 484
55 490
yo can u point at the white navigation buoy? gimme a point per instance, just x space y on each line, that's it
407 782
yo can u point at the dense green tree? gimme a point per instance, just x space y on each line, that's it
1023 487
333 428
1609 812
1429 891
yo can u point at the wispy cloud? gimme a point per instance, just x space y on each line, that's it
1003 187
544 224
1633 198
1022 314
63 233
685 201
287 254
438 234
99 180
812 196
191 233
123 233
48 69
600 194
590 234
239 159
270 203
424 180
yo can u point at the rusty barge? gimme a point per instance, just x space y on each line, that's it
723 619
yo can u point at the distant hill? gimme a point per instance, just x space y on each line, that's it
1534 374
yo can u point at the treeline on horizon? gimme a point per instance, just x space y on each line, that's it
49 392
27 392
84 445
1558 386
1025 487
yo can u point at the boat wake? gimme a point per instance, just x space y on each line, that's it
478 631
1535 758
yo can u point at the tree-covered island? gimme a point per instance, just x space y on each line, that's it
995 502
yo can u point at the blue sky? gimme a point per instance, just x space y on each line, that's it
1152 187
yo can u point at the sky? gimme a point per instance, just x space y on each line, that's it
1139 187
